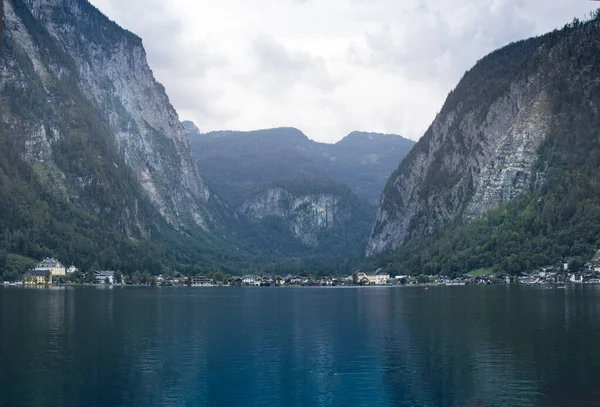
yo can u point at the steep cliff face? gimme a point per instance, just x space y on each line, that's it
317 214
305 216
483 149
78 72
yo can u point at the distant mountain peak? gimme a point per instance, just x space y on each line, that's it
357 138
357 133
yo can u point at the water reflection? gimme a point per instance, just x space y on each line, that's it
447 346
461 348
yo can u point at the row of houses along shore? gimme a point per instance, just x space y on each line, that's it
50 271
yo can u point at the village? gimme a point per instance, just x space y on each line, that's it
52 272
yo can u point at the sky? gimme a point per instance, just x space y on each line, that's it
327 67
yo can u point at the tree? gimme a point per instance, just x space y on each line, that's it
136 278
423 279
575 265
107 281
219 277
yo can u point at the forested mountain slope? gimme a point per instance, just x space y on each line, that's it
508 174
237 164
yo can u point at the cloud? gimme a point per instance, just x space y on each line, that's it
326 66
280 69
440 43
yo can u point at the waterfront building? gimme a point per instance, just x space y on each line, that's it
104 277
51 265
379 278
37 277
251 280
202 281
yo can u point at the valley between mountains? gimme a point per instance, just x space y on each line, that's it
97 168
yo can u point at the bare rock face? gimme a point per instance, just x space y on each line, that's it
480 151
69 43
305 215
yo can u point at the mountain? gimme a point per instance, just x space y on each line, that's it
304 199
507 175
96 165
237 164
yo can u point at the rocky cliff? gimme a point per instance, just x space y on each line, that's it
69 74
305 215
483 148
318 214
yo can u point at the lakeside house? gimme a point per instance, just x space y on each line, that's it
202 281
104 277
37 277
72 269
379 278
52 266
251 280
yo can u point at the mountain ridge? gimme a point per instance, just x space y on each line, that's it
361 160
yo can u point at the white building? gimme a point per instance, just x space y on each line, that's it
72 269
379 278
576 278
250 280
101 277
51 265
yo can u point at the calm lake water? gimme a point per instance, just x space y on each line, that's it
446 346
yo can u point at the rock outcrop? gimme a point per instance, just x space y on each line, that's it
305 215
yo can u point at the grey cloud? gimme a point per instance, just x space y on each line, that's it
424 46
280 67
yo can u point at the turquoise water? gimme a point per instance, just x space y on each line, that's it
446 346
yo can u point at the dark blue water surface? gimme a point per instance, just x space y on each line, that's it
445 346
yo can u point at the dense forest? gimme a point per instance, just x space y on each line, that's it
237 164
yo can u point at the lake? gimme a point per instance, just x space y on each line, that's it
445 346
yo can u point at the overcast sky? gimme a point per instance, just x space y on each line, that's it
327 67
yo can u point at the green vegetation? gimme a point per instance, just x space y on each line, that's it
13 265
238 164
481 272
423 279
